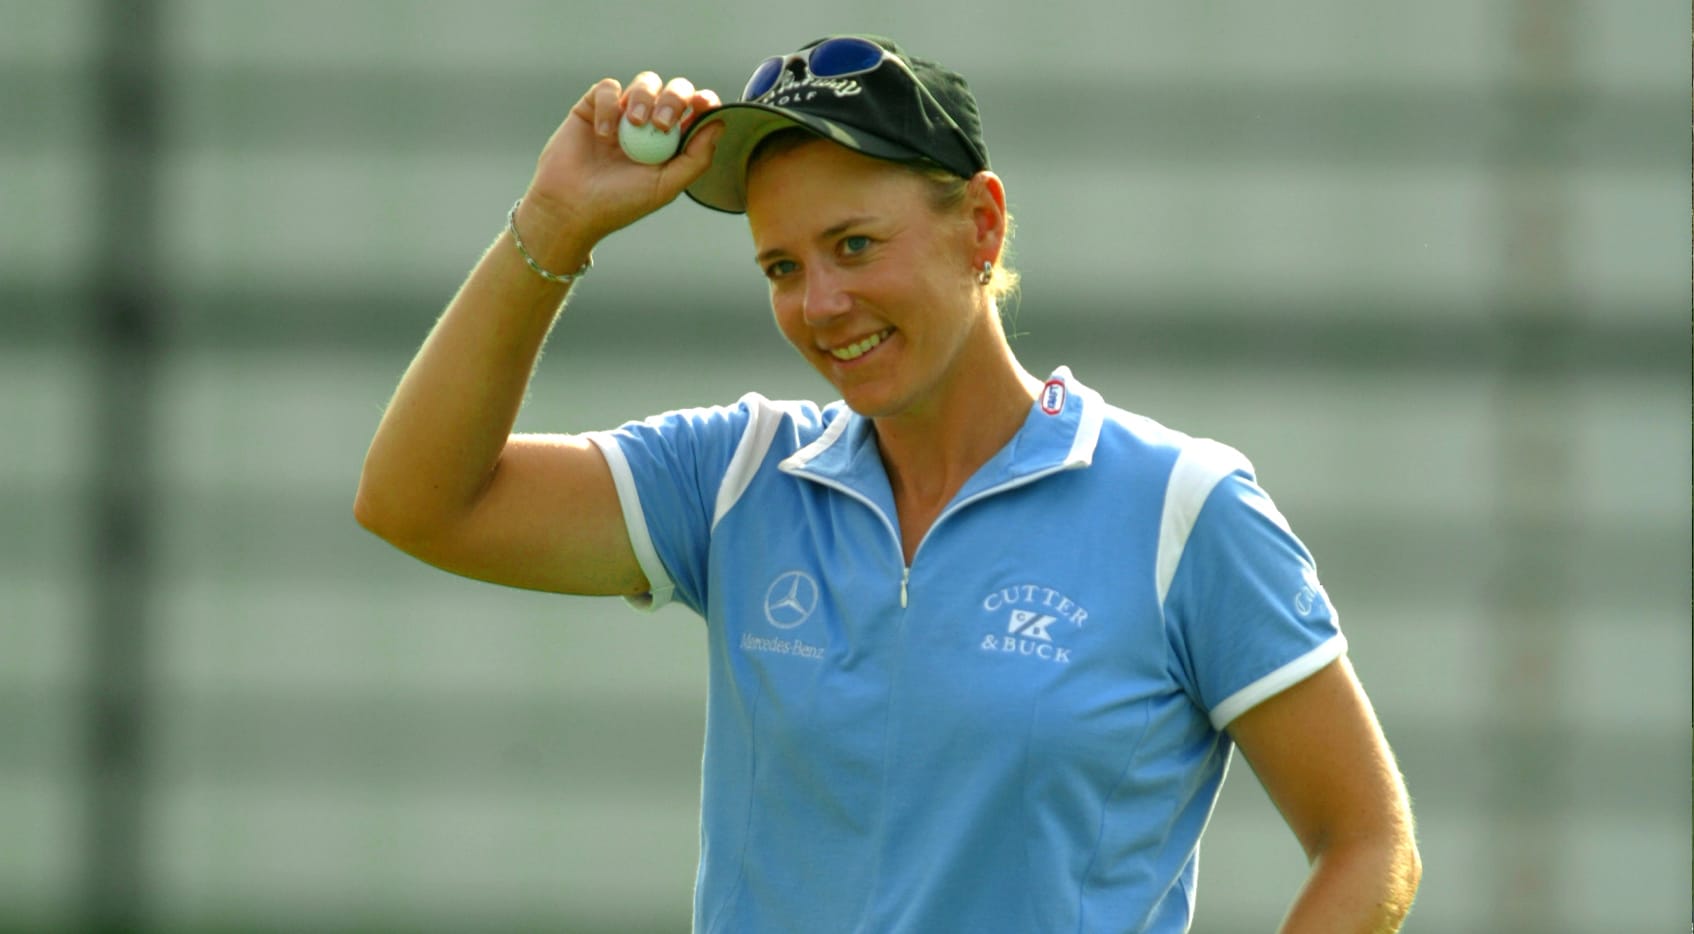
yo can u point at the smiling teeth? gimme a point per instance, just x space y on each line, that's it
856 350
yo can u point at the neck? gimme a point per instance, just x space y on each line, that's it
930 453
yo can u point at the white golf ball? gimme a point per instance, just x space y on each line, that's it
648 144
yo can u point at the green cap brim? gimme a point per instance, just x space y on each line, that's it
724 186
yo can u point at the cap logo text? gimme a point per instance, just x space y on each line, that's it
792 90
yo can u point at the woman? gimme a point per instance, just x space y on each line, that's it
980 644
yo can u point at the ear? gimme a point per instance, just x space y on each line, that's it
986 197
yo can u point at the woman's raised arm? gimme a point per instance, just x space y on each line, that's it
445 479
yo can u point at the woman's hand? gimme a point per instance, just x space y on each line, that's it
585 187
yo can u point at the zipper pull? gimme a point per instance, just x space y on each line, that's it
905 575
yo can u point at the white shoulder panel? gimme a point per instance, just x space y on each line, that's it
1197 471
749 452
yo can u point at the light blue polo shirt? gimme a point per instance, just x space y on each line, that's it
1020 732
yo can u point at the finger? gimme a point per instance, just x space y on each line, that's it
586 105
638 97
671 102
606 109
702 101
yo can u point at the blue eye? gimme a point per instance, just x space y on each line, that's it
855 244
781 267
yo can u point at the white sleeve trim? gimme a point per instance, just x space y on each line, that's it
1198 470
660 585
1278 681
750 452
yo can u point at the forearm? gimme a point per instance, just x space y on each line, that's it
1363 888
443 432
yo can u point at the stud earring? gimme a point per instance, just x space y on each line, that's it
986 274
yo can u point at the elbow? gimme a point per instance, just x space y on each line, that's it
1381 871
1408 860
368 513
364 513
378 516
414 529
1400 882
1409 875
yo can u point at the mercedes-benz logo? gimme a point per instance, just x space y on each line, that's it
792 598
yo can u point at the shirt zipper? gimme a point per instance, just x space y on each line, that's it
1011 484
887 523
894 533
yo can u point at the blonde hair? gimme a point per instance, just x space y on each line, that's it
946 193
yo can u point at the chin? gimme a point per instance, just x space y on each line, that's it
871 393
867 411
872 402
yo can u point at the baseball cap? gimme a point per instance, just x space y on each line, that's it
860 91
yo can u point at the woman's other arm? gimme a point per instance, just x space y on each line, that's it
1322 757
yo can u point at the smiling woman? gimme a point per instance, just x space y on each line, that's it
881 292
981 644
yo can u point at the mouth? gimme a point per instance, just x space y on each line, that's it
850 352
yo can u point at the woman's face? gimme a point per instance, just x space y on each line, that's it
869 283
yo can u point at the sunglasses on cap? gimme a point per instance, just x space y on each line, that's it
840 57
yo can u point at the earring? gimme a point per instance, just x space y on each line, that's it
986 275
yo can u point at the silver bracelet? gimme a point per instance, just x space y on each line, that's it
512 225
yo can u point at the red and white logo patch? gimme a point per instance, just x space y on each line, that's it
1053 397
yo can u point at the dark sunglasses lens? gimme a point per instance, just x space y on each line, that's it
764 78
838 57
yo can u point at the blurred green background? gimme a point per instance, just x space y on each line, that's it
1427 264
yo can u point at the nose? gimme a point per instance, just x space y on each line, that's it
826 295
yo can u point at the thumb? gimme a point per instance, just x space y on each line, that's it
687 166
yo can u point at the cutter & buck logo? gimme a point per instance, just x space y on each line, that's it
1033 622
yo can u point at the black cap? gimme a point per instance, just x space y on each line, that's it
920 112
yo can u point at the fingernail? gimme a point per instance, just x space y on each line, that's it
638 113
665 115
605 128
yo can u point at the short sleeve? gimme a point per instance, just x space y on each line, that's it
1245 614
668 470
